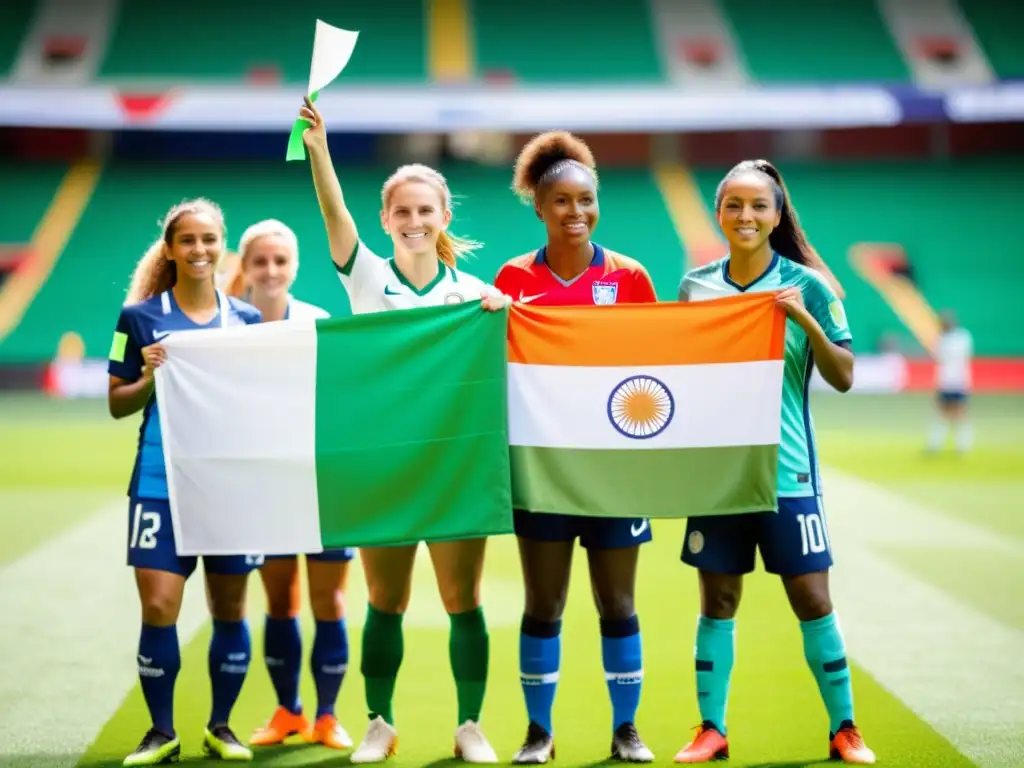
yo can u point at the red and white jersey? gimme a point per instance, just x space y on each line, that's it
611 278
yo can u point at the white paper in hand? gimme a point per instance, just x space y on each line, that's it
332 48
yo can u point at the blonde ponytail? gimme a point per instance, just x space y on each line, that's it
155 273
451 248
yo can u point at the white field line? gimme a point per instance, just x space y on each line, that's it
954 666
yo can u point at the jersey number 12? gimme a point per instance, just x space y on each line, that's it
144 529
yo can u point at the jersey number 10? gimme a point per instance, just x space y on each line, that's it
812 533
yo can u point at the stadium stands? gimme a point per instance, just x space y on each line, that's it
145 45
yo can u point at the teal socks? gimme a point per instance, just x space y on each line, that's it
714 657
825 652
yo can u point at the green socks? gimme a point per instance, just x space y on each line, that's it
825 652
468 648
382 656
383 648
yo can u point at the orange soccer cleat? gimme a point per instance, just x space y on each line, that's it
709 744
848 745
281 725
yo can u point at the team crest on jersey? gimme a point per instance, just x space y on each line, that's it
454 298
605 293
695 541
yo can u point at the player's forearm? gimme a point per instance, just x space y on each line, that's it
126 399
341 228
834 362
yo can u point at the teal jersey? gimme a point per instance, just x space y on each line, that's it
798 465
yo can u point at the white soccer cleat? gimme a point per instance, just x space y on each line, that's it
472 746
379 743
626 746
537 749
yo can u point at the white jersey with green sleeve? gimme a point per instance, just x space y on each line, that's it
798 463
375 285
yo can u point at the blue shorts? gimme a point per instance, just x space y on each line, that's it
151 544
793 541
951 397
327 556
593 532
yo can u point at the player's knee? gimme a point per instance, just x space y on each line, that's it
809 596
225 596
615 607
547 608
460 598
389 598
327 602
720 598
160 608
280 604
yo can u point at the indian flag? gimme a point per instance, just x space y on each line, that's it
380 429
656 410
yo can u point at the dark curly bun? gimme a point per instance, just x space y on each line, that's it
545 151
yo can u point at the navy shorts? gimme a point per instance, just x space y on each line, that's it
792 541
952 397
151 544
327 556
593 532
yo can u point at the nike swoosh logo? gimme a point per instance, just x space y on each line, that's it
637 531
160 334
528 299
389 292
145 660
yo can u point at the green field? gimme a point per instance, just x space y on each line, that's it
928 585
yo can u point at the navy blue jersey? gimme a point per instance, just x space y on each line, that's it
138 326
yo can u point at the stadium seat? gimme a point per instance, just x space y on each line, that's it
702 52
941 49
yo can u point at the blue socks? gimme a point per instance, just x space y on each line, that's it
282 652
713 660
159 660
230 650
825 652
623 667
329 662
540 656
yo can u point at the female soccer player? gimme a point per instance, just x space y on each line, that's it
269 263
556 174
416 213
768 251
173 290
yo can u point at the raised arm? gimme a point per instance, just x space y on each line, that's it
342 236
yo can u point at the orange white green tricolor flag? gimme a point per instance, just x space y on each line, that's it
646 410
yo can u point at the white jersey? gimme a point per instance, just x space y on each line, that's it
375 285
953 356
300 310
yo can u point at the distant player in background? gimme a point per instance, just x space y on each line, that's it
953 356
555 173
416 211
269 265
172 290
768 251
